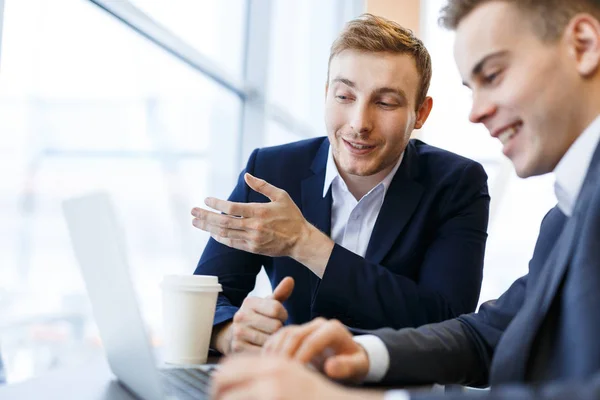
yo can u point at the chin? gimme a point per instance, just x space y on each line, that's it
523 174
527 171
522 169
358 171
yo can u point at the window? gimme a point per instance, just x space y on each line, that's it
215 28
88 104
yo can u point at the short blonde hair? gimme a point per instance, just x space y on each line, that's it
370 33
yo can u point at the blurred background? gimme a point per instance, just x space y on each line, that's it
160 103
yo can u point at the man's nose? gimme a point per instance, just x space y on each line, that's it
361 121
481 109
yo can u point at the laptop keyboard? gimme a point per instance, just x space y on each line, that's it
186 383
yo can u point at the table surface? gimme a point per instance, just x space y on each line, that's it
93 381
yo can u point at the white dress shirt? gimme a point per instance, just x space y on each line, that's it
569 173
572 168
352 221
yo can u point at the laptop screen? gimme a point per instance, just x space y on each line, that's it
99 247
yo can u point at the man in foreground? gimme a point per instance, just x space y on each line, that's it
534 69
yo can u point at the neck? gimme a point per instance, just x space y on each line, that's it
589 107
361 185
583 119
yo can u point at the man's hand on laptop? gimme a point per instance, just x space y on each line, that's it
328 344
255 321
271 377
274 229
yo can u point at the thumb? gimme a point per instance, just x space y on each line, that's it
283 291
261 186
346 367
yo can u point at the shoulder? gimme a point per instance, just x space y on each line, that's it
296 154
286 164
439 165
300 148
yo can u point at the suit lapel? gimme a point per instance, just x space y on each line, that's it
400 202
316 208
514 349
510 365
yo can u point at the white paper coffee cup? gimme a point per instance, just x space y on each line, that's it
189 303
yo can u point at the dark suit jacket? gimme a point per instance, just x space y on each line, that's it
540 339
424 259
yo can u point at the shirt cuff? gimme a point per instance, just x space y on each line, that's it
379 357
396 395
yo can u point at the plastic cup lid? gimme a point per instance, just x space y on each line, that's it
191 282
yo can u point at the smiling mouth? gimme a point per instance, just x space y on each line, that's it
359 146
507 134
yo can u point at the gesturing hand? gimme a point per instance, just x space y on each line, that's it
272 229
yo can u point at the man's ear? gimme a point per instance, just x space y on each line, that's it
582 35
423 112
326 89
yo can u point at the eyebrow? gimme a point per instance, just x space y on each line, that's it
379 91
345 81
396 91
479 66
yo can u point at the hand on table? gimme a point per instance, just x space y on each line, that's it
255 321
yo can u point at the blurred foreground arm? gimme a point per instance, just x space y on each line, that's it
271 377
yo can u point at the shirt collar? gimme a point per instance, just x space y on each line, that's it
331 173
572 168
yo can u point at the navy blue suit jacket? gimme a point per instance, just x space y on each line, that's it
541 338
424 259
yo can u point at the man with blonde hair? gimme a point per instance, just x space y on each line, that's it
534 69
372 228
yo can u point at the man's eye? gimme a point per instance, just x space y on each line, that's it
491 77
384 104
342 97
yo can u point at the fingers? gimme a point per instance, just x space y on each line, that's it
247 334
267 307
232 209
249 317
219 224
330 335
251 377
240 346
216 219
284 290
234 371
263 187
287 340
239 244
346 367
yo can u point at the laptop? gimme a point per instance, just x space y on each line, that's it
98 244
